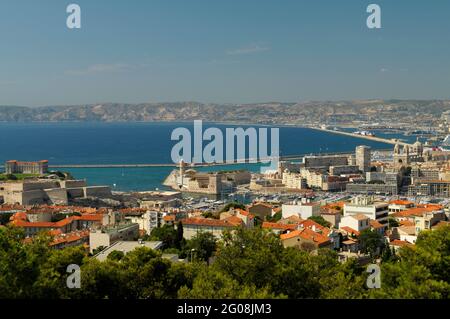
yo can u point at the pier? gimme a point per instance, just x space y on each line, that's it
367 137
247 161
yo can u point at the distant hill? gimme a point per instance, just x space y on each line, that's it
283 113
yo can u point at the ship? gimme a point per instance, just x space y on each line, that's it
364 133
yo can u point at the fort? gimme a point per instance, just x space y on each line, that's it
47 191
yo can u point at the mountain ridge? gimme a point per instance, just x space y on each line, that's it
269 112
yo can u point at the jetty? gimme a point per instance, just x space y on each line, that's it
246 161
367 137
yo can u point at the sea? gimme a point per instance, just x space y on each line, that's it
77 143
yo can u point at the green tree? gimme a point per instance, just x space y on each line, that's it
276 217
167 234
4 218
180 241
320 220
116 255
201 247
213 284
392 222
371 242
249 256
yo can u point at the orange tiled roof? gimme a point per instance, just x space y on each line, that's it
261 204
350 230
420 210
307 234
406 222
169 218
312 224
70 237
228 222
270 225
376 224
58 224
244 213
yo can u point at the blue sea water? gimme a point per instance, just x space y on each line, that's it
138 143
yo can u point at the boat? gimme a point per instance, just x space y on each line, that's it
364 133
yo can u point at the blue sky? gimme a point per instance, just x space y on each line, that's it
225 51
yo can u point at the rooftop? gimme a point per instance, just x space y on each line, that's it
126 247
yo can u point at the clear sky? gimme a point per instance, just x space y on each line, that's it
225 51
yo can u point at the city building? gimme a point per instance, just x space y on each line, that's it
302 210
193 226
51 192
106 235
18 167
363 158
366 205
357 222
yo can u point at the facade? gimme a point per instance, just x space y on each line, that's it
294 181
53 192
261 210
106 236
305 239
366 188
363 158
193 226
430 188
18 167
325 161
358 222
302 210
344 169
367 206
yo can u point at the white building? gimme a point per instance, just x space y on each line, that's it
368 206
302 210
358 222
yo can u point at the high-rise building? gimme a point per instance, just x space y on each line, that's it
363 157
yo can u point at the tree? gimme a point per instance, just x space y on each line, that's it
249 256
232 205
98 250
213 284
167 234
116 255
201 247
371 242
276 217
392 222
11 177
4 218
320 220
180 236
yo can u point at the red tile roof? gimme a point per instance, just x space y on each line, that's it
350 230
269 225
310 224
420 210
307 234
376 224
228 222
